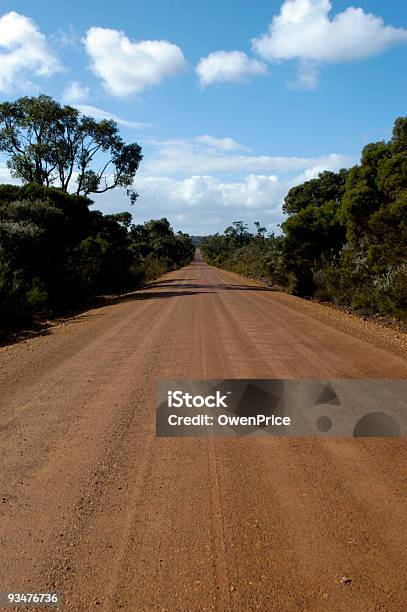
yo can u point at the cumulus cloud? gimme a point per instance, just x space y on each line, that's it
228 66
128 67
24 53
75 92
202 204
191 156
314 171
305 30
197 191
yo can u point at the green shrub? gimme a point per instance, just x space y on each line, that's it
56 253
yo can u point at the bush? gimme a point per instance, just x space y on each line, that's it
56 253
344 239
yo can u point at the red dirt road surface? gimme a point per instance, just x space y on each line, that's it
95 507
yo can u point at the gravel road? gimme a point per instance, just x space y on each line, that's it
94 506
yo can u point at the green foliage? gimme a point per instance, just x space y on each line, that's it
49 144
329 186
254 255
311 234
55 252
345 238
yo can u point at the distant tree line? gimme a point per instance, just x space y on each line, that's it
55 252
345 238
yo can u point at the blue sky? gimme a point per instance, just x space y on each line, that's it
229 113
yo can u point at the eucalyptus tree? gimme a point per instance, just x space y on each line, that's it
56 146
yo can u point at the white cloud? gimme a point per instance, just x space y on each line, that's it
224 144
197 191
98 113
304 30
127 67
75 92
189 181
314 171
24 53
228 66
203 204
5 176
191 156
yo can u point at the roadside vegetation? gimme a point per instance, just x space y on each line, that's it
56 252
344 239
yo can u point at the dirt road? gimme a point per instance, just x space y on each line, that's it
93 506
